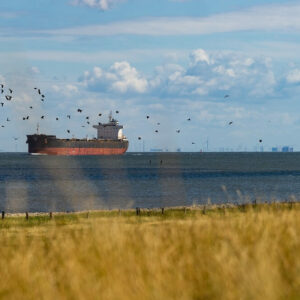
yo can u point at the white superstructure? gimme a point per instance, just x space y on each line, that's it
109 131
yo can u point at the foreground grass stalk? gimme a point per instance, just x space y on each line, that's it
246 252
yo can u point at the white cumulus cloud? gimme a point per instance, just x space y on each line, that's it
200 55
120 78
211 75
294 76
100 4
35 70
207 74
67 90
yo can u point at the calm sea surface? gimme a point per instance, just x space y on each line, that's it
65 183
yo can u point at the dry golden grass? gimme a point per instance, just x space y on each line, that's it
225 254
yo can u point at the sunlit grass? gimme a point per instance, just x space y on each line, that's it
245 252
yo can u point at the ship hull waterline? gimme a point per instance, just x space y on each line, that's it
79 151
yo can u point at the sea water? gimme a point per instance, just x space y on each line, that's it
147 180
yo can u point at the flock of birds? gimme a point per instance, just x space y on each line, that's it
156 131
189 119
9 97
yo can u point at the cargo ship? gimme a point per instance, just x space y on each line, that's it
110 141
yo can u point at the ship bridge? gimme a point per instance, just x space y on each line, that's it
109 131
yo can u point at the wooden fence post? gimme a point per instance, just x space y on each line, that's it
3 215
254 202
223 210
27 215
162 210
50 214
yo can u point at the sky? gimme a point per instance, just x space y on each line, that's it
213 62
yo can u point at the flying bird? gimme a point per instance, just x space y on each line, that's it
2 126
156 131
88 122
99 115
10 90
68 116
147 117
193 143
8 98
2 86
158 123
56 119
68 131
226 96
27 118
30 107
82 126
139 138
87 118
117 111
178 131
7 120
189 119
42 117
2 104
79 110
2 91
39 91
43 96
260 140
230 123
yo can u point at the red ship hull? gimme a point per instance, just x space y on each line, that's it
49 144
81 151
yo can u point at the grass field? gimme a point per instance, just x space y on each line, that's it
246 252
